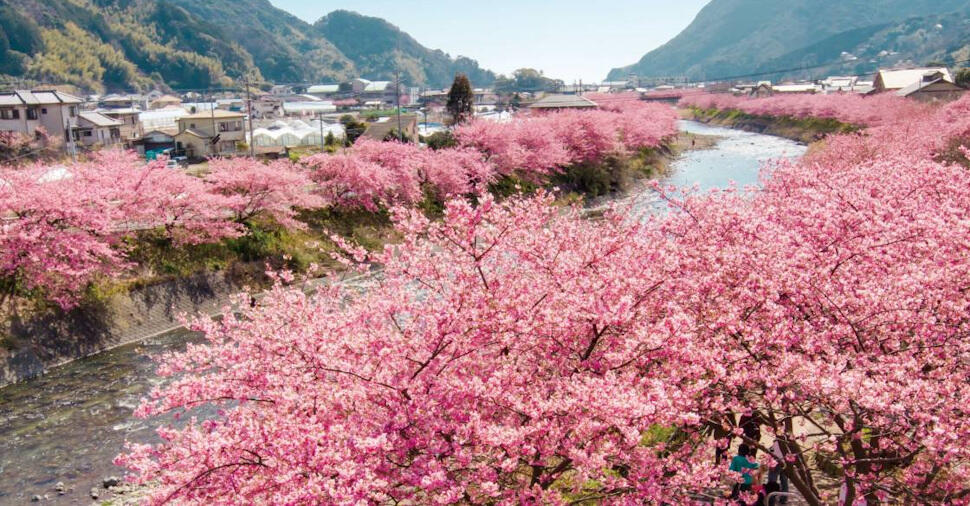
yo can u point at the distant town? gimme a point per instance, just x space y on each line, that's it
272 120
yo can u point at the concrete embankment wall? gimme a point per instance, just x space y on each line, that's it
37 344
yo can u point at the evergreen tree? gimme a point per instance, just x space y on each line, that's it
460 99
352 129
963 78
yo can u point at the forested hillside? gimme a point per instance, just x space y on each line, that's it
115 45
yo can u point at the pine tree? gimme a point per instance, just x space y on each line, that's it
460 99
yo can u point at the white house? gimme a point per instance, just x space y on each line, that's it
25 111
897 79
96 129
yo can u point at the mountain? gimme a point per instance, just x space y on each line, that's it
378 48
117 45
737 37
916 41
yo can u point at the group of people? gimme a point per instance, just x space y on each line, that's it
752 475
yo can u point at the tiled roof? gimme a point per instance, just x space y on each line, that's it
40 97
98 119
563 102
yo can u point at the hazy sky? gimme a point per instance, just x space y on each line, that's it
568 39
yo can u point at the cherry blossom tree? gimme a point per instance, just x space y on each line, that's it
56 232
275 190
850 108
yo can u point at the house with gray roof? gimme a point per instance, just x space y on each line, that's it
27 111
96 129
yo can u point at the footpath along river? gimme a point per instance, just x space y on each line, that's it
68 425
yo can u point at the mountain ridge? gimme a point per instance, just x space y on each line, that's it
735 37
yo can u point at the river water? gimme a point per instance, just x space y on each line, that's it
68 425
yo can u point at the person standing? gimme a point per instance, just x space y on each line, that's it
751 426
776 474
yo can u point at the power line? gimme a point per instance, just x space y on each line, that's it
803 68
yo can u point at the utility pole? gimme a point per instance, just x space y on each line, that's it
397 96
320 121
249 111
72 145
210 148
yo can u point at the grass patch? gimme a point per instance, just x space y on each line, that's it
805 130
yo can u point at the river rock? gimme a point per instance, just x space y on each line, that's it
60 488
111 481
36 498
95 493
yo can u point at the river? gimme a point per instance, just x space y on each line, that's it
68 425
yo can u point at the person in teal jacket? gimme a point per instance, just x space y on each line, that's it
741 464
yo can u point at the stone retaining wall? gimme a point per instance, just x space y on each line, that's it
38 344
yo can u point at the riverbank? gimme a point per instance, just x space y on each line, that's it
202 280
804 130
67 425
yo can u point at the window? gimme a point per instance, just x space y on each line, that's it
87 133
9 114
32 113
43 110
73 111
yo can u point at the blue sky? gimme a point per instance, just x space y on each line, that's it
567 39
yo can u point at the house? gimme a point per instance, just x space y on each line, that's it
96 129
210 133
165 101
115 101
932 88
558 102
484 97
370 91
762 89
616 85
805 88
130 123
154 142
386 127
281 89
268 106
833 84
27 111
893 80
